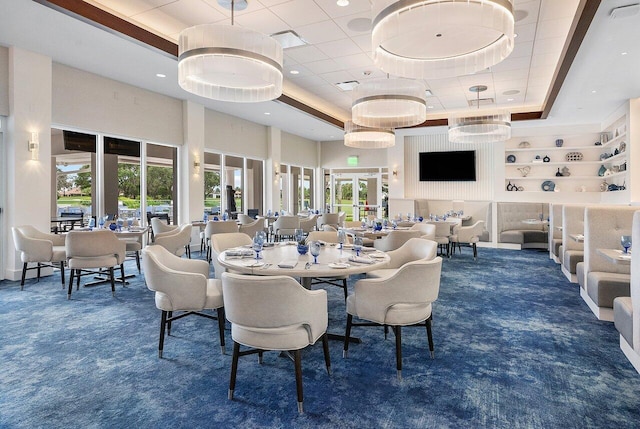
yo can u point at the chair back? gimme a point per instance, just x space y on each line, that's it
158 226
443 229
414 249
286 225
220 227
178 286
245 219
342 216
251 228
176 242
94 244
328 219
272 302
326 236
395 239
309 224
470 234
426 229
223 241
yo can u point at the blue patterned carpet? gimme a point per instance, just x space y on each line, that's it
515 348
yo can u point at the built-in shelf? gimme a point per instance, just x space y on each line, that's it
553 149
567 163
614 141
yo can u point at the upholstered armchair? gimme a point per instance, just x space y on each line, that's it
158 226
274 313
443 232
88 251
285 226
251 228
222 242
395 239
468 235
309 224
413 250
178 241
403 299
244 219
217 227
427 230
38 247
342 216
332 219
181 285
329 237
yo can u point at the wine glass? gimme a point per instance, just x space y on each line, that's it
101 221
205 217
92 223
129 223
342 238
257 245
357 245
314 248
298 233
625 240
120 224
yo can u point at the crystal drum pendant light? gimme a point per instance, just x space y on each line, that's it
229 63
368 138
430 39
482 127
389 103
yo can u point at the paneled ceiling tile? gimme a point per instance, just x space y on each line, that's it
512 64
510 84
302 71
558 9
339 48
454 103
309 81
193 12
356 25
132 7
252 6
356 61
324 66
526 33
335 11
449 91
548 46
472 80
300 12
269 3
549 60
515 74
287 60
327 89
160 21
263 21
364 41
306 54
523 49
554 28
337 76
358 73
436 84
319 32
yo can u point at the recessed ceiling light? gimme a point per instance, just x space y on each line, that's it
509 99
161 75
593 91
429 107
515 35
267 113
342 3
623 53
294 72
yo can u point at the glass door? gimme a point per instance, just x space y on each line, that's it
359 195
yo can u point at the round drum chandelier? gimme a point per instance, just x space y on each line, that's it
430 39
229 63
481 127
368 138
389 103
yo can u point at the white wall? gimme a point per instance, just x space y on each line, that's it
4 81
335 154
234 136
299 151
87 101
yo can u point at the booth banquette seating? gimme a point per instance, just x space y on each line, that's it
555 233
573 250
626 310
513 230
476 210
604 280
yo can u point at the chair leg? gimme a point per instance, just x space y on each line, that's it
138 260
62 272
430 335
234 369
113 282
70 283
39 267
475 251
344 286
386 331
398 332
220 312
169 315
24 274
325 349
163 323
297 358
122 274
78 275
345 349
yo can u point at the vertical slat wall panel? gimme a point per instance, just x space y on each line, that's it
481 189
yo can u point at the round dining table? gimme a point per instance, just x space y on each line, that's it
283 259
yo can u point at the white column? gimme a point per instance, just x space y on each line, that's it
272 166
191 179
28 196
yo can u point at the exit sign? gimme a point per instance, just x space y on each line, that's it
352 161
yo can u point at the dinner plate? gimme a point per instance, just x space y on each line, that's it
339 265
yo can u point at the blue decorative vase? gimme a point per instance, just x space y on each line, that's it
378 226
303 249
112 226
559 143
420 218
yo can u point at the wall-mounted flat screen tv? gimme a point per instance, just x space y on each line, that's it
455 166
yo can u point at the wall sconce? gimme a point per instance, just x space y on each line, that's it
196 166
395 172
34 145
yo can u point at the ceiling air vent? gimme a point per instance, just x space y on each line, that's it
288 39
348 85
481 102
625 11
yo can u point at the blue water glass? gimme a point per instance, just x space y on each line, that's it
625 240
299 235
92 223
257 246
315 250
101 222
225 216
129 223
206 217
357 245
342 238
303 249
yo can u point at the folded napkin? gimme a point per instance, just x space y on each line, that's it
368 249
625 256
239 252
361 260
289 263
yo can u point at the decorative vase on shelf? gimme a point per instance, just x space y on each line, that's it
559 143
565 171
558 173
546 159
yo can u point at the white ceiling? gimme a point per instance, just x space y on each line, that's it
337 53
